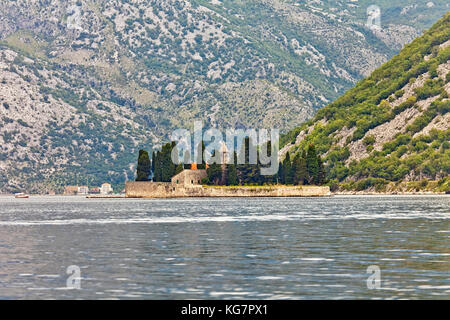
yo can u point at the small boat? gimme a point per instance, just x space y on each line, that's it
21 196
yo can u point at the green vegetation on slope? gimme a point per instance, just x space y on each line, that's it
392 126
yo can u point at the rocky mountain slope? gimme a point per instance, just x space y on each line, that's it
392 130
84 84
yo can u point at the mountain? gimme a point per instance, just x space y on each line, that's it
391 132
85 84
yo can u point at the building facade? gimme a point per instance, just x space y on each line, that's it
189 178
84 190
106 189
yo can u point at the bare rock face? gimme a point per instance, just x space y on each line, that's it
86 83
396 36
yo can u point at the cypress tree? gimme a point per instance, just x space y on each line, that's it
144 166
157 172
299 169
167 165
287 170
281 173
321 178
232 178
312 164
153 162
267 179
249 173
214 172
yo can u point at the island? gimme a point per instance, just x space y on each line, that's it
304 176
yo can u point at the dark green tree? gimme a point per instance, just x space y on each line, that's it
157 171
144 166
232 178
280 177
312 164
268 179
288 177
300 171
321 178
168 166
214 173
153 161
165 168
248 173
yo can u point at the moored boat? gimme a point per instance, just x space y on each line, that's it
21 196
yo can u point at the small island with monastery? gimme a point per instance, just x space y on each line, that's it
303 176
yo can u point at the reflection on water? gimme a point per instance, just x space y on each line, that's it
283 248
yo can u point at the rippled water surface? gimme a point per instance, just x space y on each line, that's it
271 248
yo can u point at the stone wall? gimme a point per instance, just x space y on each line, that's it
169 190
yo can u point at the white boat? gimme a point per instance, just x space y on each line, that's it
21 196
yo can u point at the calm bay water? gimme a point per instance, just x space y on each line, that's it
282 248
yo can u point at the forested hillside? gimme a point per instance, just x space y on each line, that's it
391 131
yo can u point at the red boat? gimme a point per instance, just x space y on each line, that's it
21 196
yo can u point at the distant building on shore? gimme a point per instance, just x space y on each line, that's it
70 190
95 190
83 190
106 189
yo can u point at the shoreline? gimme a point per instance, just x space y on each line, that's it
114 196
338 193
393 193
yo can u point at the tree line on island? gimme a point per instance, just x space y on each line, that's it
304 168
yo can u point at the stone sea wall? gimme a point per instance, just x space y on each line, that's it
169 190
